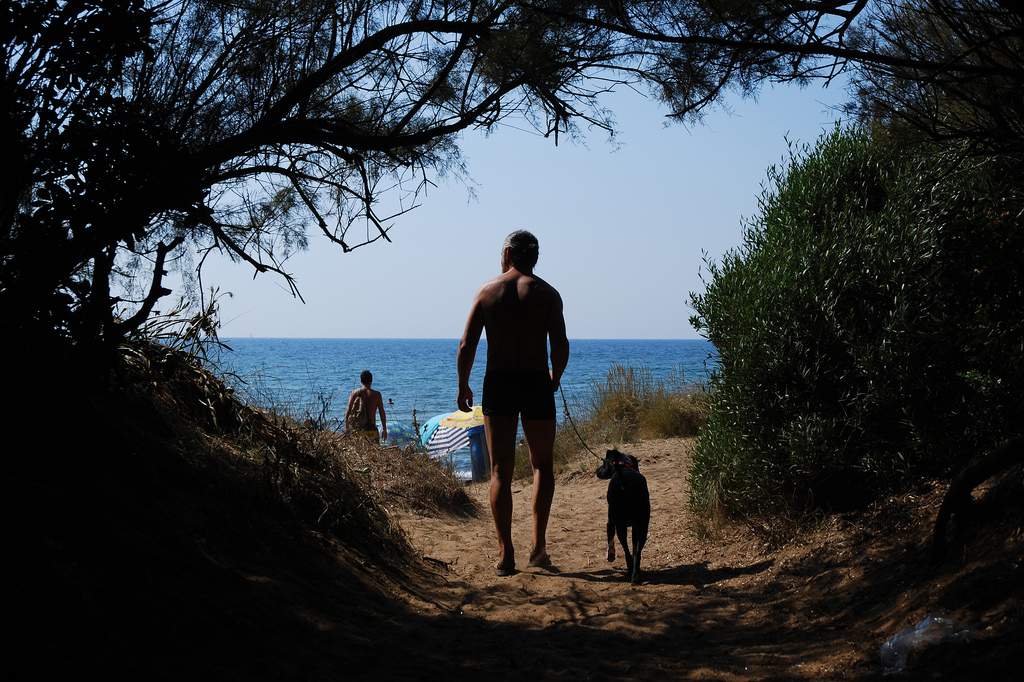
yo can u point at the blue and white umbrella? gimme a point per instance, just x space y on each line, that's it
446 433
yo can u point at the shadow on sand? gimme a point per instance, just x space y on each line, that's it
695 575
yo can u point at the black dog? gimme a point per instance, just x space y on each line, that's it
629 504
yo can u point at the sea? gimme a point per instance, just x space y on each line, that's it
417 378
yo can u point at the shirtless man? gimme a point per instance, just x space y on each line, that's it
521 313
372 403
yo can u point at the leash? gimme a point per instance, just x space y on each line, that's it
565 411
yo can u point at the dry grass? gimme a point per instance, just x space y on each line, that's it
407 477
630 405
334 483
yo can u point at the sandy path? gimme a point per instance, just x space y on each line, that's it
576 531
583 604
725 608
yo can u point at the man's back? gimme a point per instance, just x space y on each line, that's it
520 311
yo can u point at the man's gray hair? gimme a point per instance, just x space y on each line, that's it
523 250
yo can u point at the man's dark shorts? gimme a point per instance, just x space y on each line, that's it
511 394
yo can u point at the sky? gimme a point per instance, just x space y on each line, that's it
622 229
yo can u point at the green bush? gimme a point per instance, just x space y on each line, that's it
869 327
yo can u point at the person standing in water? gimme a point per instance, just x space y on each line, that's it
363 405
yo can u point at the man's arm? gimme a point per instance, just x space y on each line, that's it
383 417
559 342
348 408
467 353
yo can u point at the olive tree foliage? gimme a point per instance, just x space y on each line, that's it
870 327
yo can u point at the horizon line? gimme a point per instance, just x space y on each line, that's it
426 338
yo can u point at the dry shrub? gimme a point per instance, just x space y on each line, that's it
632 404
674 415
318 480
330 482
407 477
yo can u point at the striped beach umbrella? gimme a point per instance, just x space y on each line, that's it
447 433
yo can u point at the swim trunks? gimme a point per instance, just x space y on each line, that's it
370 433
511 394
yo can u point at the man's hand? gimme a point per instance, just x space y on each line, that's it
465 400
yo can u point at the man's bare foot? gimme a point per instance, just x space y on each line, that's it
504 567
504 570
539 558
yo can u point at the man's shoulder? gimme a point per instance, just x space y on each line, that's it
542 287
493 290
488 288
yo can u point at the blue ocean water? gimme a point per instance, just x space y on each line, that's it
419 375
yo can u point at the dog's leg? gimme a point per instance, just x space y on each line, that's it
621 530
611 541
639 540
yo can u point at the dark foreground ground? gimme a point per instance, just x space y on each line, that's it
138 552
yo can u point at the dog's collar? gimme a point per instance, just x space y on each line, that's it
624 464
